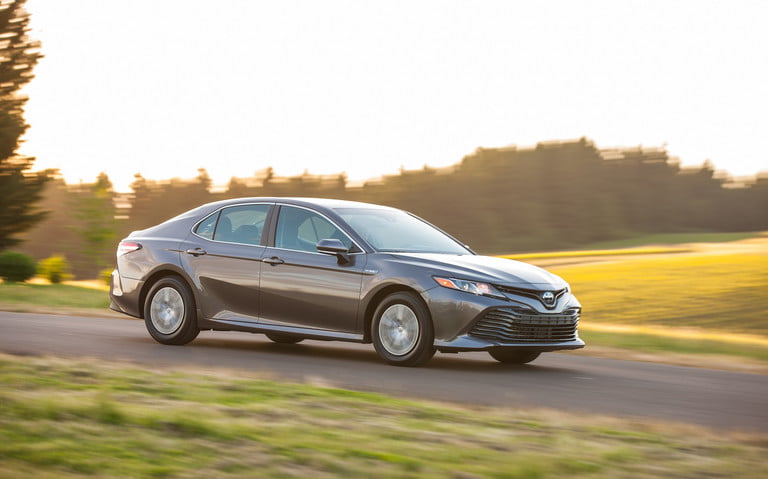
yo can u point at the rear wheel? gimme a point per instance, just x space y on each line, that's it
402 330
169 312
283 339
511 356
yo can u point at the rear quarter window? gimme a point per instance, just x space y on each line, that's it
205 228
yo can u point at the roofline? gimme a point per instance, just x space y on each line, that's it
329 203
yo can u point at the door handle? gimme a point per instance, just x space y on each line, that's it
196 252
273 260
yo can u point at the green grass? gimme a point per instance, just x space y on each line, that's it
65 418
16 295
659 343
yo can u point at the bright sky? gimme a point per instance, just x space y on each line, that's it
365 87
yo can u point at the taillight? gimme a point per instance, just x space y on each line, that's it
126 247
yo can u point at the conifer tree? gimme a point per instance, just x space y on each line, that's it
20 190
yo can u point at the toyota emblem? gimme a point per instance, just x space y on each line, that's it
548 297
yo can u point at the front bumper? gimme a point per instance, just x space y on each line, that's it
467 342
467 322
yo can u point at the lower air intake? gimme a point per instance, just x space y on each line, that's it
517 325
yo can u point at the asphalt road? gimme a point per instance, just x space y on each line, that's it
571 382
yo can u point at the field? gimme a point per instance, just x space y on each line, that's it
670 239
689 299
718 292
74 418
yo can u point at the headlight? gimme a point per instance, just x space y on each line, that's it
474 287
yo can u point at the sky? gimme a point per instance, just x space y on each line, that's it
163 88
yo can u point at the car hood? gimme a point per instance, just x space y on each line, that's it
485 268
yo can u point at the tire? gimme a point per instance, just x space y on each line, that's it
283 339
169 312
402 330
512 356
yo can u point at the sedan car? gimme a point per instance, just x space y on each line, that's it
300 268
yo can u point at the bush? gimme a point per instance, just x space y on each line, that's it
55 269
16 267
105 275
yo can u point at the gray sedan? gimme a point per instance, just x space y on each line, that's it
299 268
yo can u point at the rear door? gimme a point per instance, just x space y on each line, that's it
223 257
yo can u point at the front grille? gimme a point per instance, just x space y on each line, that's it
532 293
518 325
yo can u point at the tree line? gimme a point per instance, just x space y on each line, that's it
497 200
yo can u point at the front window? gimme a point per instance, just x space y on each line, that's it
301 229
398 231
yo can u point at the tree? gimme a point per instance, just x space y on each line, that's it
19 189
56 234
95 211
144 201
155 202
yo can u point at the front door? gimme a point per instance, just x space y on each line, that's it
302 287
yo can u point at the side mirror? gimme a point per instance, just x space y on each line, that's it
334 247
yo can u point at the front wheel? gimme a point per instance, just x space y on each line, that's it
169 312
402 330
512 356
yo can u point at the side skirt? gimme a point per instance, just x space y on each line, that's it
254 327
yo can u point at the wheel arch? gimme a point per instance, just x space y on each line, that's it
160 273
378 297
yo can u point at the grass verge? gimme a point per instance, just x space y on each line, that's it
65 418
20 296
693 344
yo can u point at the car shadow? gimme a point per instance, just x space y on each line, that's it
310 349
330 351
457 363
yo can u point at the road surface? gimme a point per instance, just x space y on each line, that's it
570 382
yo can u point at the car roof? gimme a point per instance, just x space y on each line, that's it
327 203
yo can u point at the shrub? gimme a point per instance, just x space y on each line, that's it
105 275
16 267
55 269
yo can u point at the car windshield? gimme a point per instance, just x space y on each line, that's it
397 231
